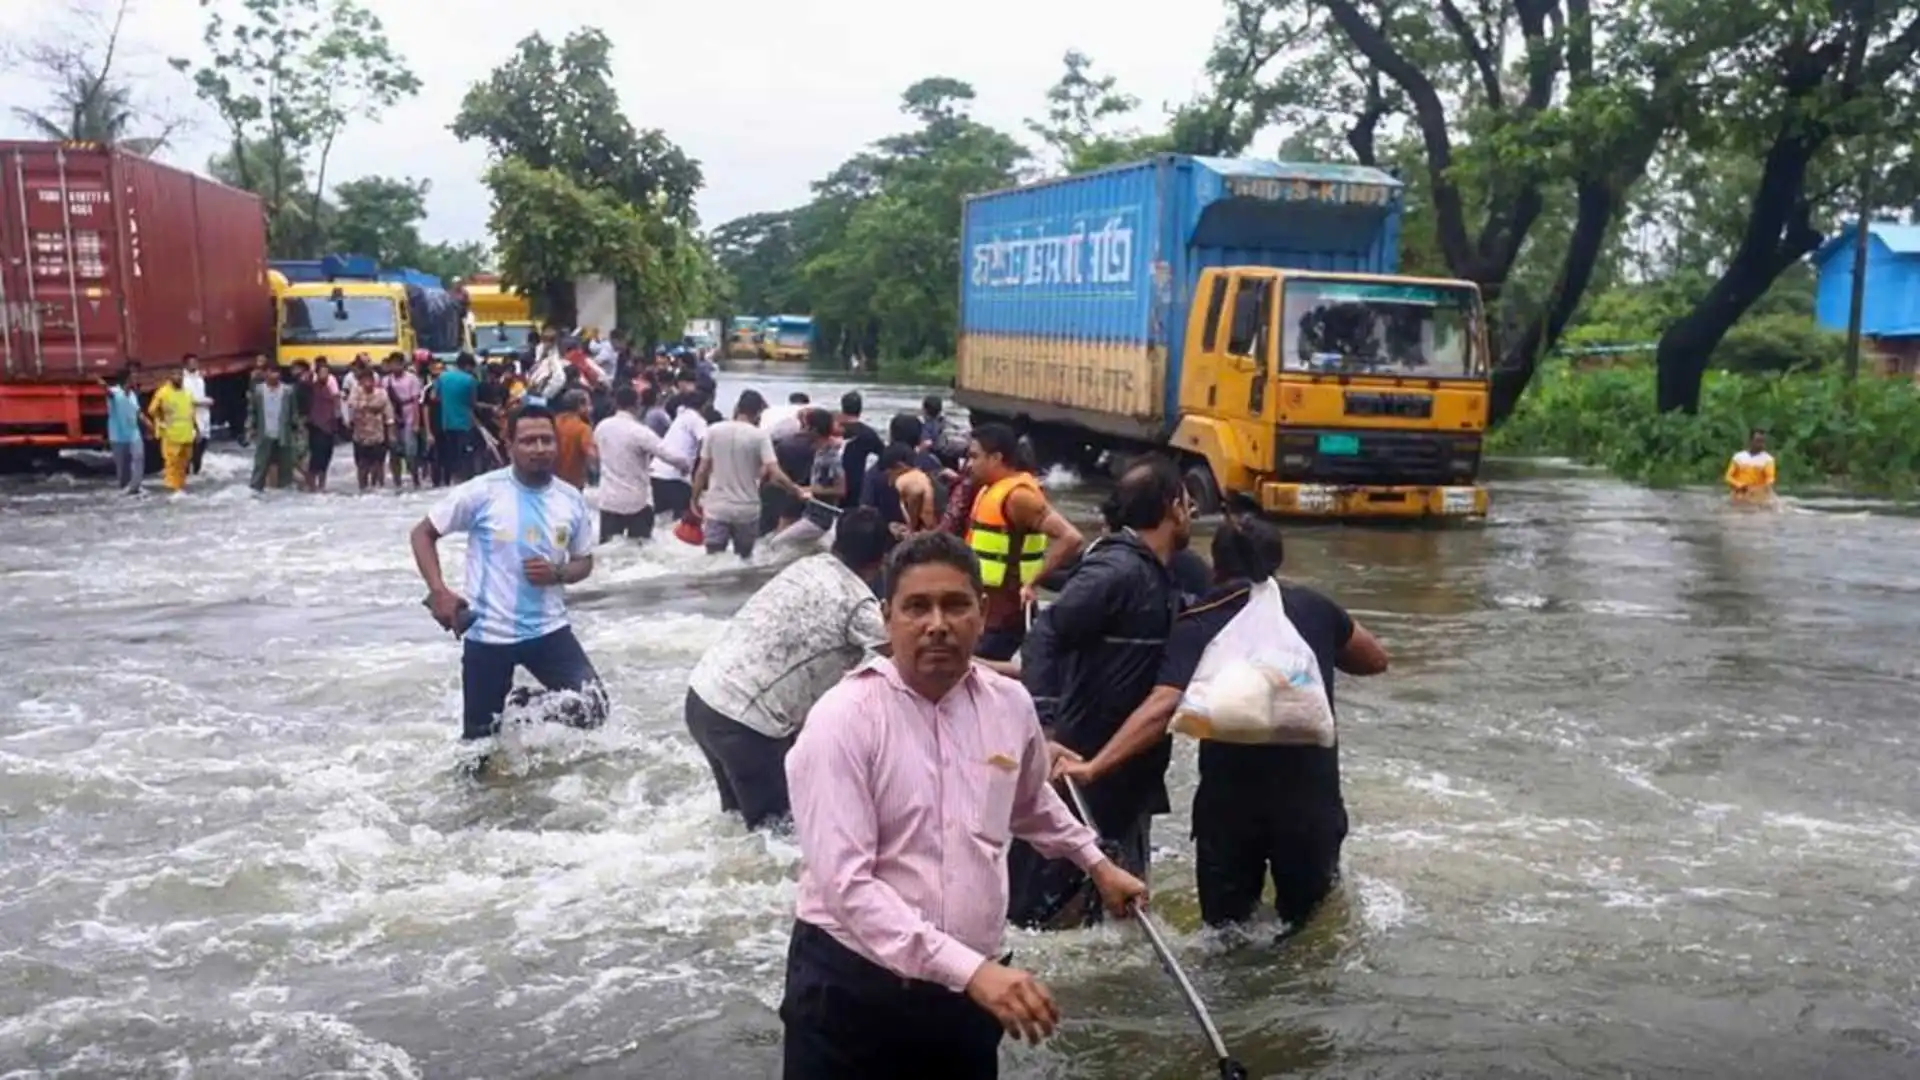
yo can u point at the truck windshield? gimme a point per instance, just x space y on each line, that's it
319 320
500 337
1364 328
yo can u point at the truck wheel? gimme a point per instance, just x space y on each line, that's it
1202 489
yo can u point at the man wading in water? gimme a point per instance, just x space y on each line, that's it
789 644
1089 662
909 778
1017 536
1260 809
528 534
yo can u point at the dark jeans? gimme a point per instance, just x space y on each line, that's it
199 454
556 660
1054 894
319 453
271 455
455 453
129 465
847 1018
749 768
1240 836
671 498
639 526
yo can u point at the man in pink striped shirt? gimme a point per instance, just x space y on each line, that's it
908 781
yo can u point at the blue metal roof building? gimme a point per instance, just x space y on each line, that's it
1891 306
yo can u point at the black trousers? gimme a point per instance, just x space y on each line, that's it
199 455
749 768
847 1018
556 660
455 452
319 452
1054 894
672 497
1241 837
639 526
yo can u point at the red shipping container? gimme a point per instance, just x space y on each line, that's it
106 257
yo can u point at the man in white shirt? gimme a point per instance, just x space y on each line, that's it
548 375
195 384
734 461
790 642
673 487
628 449
529 534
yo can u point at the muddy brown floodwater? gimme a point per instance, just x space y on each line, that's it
1637 799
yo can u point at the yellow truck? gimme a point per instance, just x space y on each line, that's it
1241 316
349 312
502 320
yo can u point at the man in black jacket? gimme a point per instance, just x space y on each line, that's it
1090 660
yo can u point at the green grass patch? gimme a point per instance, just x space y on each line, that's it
1825 432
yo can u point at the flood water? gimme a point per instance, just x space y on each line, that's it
1637 799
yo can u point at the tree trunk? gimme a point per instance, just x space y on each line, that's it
1779 233
316 231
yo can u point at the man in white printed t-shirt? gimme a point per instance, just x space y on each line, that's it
529 533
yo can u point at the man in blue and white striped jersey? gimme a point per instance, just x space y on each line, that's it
529 534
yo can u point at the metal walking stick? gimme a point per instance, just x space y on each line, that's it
1229 1068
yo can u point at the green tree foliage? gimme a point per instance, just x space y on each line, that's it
874 257
1822 429
286 77
380 216
761 256
578 190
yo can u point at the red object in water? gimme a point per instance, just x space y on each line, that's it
688 531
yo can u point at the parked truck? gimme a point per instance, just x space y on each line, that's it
343 306
502 318
109 259
1243 316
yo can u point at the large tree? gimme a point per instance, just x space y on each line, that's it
286 77
1816 94
578 190
80 56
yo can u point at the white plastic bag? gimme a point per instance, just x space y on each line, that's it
1258 682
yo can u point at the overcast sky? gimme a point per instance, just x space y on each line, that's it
769 95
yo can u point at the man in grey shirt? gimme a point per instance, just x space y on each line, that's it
270 427
735 460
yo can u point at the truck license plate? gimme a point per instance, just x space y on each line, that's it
1456 501
1340 445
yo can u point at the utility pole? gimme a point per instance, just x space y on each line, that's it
1863 227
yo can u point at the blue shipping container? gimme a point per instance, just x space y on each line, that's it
1074 292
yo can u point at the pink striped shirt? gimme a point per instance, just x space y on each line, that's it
904 809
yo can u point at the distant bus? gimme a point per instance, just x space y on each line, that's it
786 337
743 338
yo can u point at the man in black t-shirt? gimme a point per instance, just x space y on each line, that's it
1259 809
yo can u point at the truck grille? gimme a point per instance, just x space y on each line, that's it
1335 456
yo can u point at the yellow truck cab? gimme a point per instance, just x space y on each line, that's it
1338 395
502 320
339 319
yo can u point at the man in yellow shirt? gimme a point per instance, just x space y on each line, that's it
172 412
1750 474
